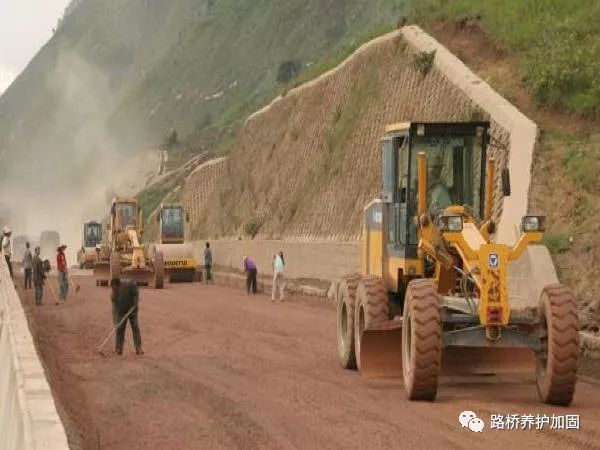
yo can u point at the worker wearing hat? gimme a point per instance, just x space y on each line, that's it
7 249
63 273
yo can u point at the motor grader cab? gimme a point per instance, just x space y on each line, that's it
432 294
88 254
180 263
128 257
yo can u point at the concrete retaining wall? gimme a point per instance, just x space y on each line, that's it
523 132
312 260
28 417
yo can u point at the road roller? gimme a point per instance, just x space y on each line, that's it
180 263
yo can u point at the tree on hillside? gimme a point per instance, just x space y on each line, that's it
288 70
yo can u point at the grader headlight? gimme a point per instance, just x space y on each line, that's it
531 224
450 224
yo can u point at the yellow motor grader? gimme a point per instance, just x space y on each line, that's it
433 293
123 254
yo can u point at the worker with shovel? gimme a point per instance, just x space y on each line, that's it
125 297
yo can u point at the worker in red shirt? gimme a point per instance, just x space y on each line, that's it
63 273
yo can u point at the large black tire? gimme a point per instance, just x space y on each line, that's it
115 265
159 270
556 372
421 340
371 307
345 296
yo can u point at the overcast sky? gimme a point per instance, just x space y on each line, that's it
25 25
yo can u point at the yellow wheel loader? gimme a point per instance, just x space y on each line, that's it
180 263
124 254
88 254
435 294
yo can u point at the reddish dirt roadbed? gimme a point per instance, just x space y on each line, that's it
224 370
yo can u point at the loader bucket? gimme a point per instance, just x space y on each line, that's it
381 350
142 277
102 271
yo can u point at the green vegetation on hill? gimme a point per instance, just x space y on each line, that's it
558 42
552 58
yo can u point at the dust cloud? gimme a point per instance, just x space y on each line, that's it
65 176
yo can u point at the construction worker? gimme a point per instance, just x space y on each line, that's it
27 258
437 192
39 275
208 262
250 268
63 273
125 303
7 250
278 283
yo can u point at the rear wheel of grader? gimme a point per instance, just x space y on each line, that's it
345 296
421 340
159 270
556 372
115 265
371 307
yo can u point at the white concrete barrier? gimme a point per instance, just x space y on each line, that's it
315 260
28 416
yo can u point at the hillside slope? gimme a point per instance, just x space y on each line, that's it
118 76
305 166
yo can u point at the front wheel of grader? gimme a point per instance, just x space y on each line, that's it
556 372
371 308
421 340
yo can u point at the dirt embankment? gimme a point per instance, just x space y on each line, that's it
306 166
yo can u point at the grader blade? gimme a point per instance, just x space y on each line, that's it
381 350
487 361
381 356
